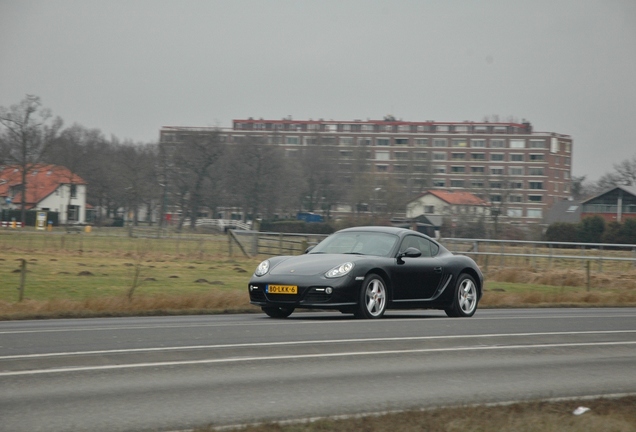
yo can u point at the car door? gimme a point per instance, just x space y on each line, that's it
417 278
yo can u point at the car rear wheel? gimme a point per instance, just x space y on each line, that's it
465 297
373 297
277 312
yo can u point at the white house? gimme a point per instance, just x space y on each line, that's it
436 204
48 188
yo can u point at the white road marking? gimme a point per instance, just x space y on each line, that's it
306 356
308 342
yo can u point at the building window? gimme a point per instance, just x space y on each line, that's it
421 156
480 143
516 185
496 171
404 128
401 141
535 213
495 198
496 185
382 155
459 142
515 171
515 212
457 183
458 156
346 154
439 183
439 156
346 141
477 169
442 128
292 140
537 144
497 143
478 156
537 157
429 209
440 142
458 169
515 198
364 141
73 191
439 169
535 185
382 168
517 143
477 184
309 140
420 168
535 171
382 141
516 157
367 128
421 142
535 198
401 155
496 156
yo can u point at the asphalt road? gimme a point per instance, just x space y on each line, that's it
174 373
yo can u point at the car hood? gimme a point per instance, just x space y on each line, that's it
311 264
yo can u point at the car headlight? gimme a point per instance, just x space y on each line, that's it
262 268
340 270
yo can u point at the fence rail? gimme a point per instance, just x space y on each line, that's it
504 253
543 254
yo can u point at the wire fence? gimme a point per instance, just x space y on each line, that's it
545 255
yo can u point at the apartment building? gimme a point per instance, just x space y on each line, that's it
521 172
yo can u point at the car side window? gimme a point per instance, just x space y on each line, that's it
426 247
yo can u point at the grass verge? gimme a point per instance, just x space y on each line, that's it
76 276
604 415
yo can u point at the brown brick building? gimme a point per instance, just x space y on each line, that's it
520 171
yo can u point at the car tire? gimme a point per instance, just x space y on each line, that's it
465 298
373 298
277 312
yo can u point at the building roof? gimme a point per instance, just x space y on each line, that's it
456 197
629 189
42 181
564 211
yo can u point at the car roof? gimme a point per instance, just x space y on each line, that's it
383 229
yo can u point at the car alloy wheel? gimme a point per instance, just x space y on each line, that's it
373 297
465 298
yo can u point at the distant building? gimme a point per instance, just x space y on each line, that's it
49 188
435 205
521 171
616 204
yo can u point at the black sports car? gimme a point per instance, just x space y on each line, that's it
367 270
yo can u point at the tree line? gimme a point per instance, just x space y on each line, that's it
200 172
203 172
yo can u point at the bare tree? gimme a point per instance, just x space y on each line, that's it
625 174
28 132
256 177
193 173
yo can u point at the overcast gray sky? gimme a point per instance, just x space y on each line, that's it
131 67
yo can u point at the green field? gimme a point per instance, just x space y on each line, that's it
107 272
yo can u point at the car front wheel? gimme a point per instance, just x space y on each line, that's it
373 297
465 297
278 312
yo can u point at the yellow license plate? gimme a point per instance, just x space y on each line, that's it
282 289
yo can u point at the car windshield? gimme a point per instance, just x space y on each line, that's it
357 242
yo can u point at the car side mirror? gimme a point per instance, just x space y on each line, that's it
409 253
